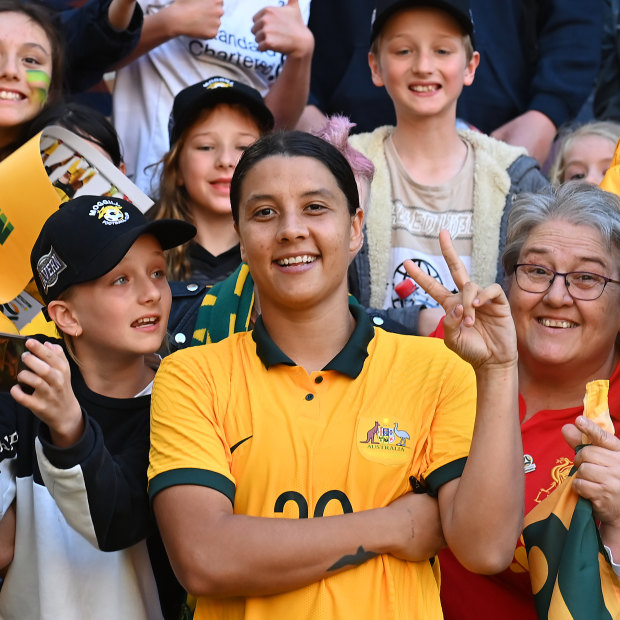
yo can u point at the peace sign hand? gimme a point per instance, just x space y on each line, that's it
478 325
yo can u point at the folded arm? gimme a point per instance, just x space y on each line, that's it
224 554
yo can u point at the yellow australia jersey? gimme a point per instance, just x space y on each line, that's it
240 417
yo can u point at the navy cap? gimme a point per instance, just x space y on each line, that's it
192 100
459 9
88 236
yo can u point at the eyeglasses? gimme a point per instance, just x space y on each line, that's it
581 285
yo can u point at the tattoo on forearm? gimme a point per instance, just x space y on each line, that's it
356 559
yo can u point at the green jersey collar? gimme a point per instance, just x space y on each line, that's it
349 361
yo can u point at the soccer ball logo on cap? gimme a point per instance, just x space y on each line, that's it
110 212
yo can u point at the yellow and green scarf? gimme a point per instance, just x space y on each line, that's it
226 309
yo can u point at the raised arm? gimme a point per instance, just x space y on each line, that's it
52 400
76 465
192 18
97 36
282 29
217 553
482 512
120 13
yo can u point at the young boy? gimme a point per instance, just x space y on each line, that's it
76 428
429 175
282 459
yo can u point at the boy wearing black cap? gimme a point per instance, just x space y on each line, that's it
79 423
429 175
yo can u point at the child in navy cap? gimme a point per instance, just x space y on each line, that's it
79 420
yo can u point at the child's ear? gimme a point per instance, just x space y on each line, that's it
375 69
470 69
65 317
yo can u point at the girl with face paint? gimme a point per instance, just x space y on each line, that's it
30 68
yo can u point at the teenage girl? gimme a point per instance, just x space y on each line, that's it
31 60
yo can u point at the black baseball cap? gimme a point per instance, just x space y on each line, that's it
459 9
192 100
88 236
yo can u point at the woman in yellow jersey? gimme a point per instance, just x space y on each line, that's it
315 413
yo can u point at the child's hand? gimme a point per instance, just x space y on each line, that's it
195 18
282 29
478 324
533 130
53 400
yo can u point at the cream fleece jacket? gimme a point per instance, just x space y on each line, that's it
492 184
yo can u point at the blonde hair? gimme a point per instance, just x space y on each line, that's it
174 201
567 137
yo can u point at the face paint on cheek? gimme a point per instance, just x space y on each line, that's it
39 81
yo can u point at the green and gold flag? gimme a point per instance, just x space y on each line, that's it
569 570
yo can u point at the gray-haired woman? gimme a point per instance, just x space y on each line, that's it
562 260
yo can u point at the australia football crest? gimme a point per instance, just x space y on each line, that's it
383 440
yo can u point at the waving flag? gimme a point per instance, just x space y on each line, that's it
569 570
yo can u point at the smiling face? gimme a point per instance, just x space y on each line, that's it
211 149
25 72
422 62
296 232
125 311
587 159
555 331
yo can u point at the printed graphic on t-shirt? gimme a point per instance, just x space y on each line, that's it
234 45
405 292
419 213
425 223
402 291
558 475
